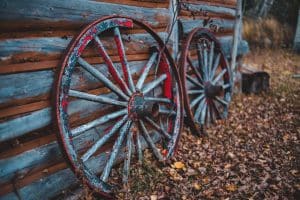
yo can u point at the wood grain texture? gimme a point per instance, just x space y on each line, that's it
51 185
215 25
28 54
35 120
67 13
205 10
221 3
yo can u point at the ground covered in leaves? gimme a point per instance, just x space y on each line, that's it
255 154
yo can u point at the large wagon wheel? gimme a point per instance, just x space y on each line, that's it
130 108
206 80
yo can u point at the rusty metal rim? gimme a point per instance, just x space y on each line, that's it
57 117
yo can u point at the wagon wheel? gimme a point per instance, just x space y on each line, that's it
206 80
109 112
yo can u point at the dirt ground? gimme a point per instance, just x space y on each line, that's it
255 154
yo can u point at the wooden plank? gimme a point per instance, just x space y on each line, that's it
139 3
221 3
15 34
20 165
206 10
37 13
11 111
52 64
50 186
23 85
226 43
215 25
38 53
44 155
15 127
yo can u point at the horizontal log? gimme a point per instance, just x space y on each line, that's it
39 12
15 110
226 43
52 64
139 3
35 120
33 50
15 34
51 185
221 3
20 165
24 85
206 10
215 25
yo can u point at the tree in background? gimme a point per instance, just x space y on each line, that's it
285 11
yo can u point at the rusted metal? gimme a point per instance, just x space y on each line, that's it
207 81
147 104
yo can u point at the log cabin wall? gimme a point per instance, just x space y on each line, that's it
33 37
217 15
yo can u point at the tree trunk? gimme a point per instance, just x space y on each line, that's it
262 9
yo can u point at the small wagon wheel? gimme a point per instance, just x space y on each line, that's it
125 110
206 80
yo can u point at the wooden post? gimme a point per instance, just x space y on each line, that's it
237 33
173 29
296 45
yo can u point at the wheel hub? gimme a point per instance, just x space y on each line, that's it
212 90
138 107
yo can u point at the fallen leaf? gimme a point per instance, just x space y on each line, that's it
178 165
231 188
197 186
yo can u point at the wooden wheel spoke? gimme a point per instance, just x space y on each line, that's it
147 88
217 111
194 81
115 150
158 128
112 69
198 75
139 147
164 111
127 160
221 101
211 56
216 64
199 109
123 59
97 74
95 98
158 100
195 101
200 58
195 91
208 118
226 86
150 141
205 65
219 76
145 71
203 113
80 129
104 139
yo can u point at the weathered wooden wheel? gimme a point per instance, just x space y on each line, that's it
132 107
206 80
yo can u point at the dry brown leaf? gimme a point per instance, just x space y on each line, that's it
179 165
231 187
